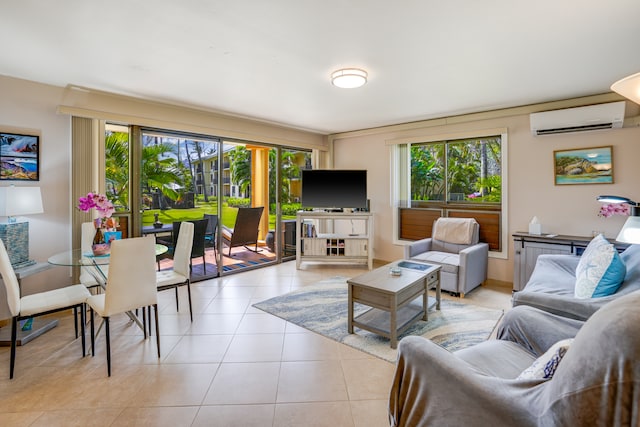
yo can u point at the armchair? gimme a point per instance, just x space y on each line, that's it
455 246
596 383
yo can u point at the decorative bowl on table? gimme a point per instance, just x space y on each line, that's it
157 225
100 249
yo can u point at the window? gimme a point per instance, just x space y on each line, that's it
467 170
461 177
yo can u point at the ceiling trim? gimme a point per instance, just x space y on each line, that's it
83 102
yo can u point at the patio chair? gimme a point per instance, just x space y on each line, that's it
245 230
199 243
212 229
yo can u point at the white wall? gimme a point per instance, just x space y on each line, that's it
564 209
26 106
570 210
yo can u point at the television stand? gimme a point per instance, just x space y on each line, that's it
329 237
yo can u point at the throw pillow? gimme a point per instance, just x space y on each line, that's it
600 271
545 366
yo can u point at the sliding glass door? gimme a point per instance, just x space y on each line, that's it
157 178
176 184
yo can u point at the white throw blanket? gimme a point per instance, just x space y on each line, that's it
454 230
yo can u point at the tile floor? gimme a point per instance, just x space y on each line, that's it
233 366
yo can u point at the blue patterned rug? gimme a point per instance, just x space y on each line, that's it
322 308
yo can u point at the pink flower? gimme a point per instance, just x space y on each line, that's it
97 201
609 209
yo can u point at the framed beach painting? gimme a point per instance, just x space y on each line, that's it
19 157
583 166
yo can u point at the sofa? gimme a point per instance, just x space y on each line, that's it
596 381
551 286
454 246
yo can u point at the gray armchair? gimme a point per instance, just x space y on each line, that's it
597 382
464 265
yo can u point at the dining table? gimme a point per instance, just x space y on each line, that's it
95 265
152 229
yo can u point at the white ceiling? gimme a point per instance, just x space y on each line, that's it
271 59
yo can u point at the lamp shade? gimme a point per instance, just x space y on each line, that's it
630 232
616 199
16 201
629 87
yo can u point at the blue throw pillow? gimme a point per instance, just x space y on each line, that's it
600 271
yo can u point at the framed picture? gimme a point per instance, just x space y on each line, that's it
19 157
583 166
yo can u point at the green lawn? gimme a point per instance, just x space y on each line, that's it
228 215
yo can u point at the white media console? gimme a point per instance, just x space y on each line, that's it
334 237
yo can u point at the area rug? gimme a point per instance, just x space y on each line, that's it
322 308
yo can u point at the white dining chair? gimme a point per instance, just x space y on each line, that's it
179 275
131 284
34 305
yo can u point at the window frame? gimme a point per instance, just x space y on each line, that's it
400 155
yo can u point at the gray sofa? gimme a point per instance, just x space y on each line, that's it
552 284
464 266
597 382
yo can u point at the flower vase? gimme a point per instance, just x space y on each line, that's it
99 247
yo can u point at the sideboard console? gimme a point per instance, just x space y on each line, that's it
527 247
334 237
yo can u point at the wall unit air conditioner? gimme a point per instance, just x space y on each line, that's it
591 117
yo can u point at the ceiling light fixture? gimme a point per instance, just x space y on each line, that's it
629 87
349 78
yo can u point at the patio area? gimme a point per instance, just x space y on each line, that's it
241 258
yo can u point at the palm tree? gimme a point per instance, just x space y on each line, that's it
289 170
117 169
160 169
240 167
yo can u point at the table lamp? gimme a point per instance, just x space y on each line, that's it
630 232
18 201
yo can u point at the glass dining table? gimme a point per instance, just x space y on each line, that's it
95 265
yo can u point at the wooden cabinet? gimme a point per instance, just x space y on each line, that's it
331 237
527 247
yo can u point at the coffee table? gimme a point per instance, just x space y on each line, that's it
390 297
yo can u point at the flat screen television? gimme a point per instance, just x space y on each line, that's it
334 189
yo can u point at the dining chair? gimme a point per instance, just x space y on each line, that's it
39 304
131 284
179 275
